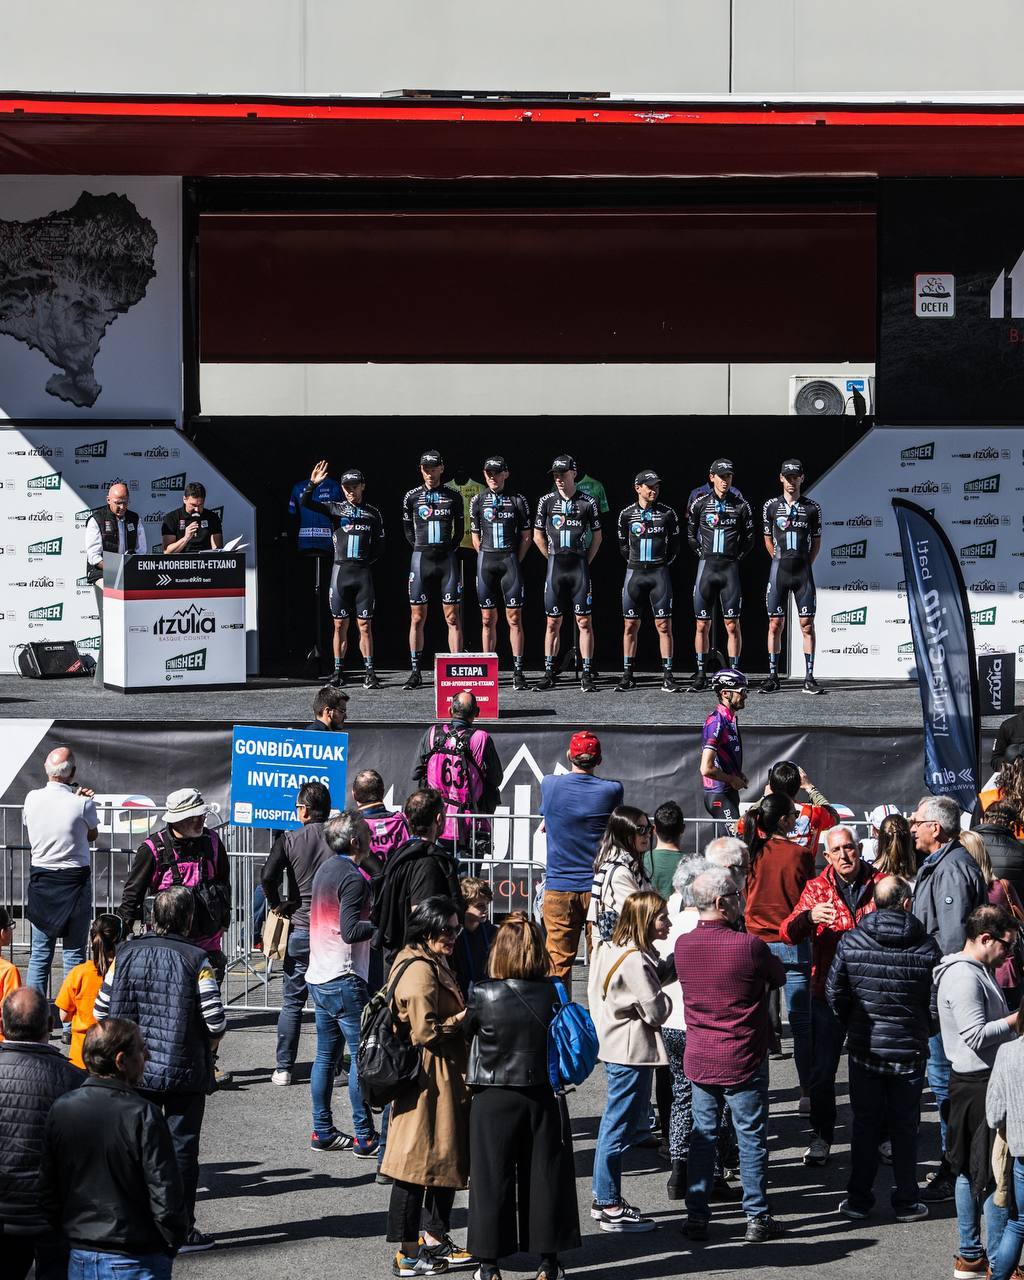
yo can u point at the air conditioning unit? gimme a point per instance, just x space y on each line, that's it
831 396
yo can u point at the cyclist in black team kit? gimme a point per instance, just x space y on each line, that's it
433 522
792 537
358 534
720 531
500 525
566 519
649 541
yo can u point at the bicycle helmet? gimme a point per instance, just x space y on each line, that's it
728 678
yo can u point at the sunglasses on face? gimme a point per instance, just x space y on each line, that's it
450 932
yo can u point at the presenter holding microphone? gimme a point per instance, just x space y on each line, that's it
192 527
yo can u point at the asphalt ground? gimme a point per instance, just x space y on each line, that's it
280 1211
852 703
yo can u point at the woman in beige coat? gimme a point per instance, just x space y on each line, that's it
427 1153
628 1006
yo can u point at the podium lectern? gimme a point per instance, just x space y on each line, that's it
173 621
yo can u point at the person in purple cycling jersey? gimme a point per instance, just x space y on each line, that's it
721 757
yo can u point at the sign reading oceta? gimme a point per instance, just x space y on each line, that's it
269 765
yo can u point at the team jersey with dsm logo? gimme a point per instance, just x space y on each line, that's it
648 535
433 518
793 528
498 520
567 523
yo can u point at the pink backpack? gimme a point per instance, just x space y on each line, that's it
386 834
455 768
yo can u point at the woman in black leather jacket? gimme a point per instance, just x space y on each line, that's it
522 1189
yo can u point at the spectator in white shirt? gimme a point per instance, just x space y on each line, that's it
61 822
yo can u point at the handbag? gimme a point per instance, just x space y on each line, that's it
387 1062
276 929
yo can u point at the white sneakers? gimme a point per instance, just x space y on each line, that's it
818 1152
281 1077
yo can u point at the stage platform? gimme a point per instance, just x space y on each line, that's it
847 704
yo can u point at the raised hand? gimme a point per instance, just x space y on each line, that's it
319 472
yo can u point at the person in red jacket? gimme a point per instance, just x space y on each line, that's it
829 906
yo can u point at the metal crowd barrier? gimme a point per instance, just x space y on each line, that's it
507 850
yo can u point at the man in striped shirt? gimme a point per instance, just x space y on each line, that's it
167 985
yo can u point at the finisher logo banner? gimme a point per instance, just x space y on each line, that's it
944 649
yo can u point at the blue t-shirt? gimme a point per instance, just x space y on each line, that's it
576 809
314 528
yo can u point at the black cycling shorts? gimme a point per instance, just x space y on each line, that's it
725 805
351 590
792 573
499 579
653 584
434 568
718 578
567 583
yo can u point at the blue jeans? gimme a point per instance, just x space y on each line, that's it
796 960
938 1081
968 1220
1005 1255
76 941
87 1264
884 1106
337 1006
748 1103
625 1112
828 1035
293 998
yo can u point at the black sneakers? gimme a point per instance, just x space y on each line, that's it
771 685
669 684
547 681
627 682
371 680
587 682
519 681
699 682
811 685
763 1227
415 681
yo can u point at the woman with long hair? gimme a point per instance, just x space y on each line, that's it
779 869
619 867
80 988
1001 893
522 1190
896 855
427 1152
628 1006
1010 790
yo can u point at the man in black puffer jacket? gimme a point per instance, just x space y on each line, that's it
33 1075
880 988
1004 849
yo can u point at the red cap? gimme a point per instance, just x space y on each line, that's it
585 743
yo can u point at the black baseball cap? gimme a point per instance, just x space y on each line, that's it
495 464
564 462
792 467
647 477
432 458
353 477
721 467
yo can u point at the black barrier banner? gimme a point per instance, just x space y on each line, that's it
143 761
940 621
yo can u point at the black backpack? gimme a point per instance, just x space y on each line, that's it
387 1062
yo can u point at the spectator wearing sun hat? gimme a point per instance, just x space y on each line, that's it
869 845
576 808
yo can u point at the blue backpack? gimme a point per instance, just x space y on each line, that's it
572 1043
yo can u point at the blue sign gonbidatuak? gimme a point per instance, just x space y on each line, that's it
947 673
269 765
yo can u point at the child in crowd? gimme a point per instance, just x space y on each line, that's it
82 985
10 978
474 943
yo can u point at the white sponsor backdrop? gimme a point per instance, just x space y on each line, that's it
973 480
98 294
51 478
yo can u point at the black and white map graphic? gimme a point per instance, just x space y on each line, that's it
65 277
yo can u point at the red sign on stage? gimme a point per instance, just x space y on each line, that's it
477 672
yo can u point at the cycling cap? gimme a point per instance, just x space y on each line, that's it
647 477
792 467
721 467
353 477
431 458
728 678
564 462
584 743
495 464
